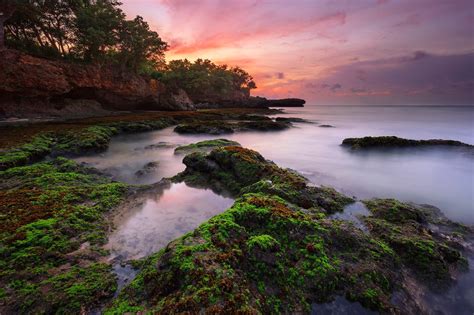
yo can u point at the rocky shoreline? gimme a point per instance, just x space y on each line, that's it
276 250
38 88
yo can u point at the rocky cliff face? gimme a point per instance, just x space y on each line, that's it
252 102
32 86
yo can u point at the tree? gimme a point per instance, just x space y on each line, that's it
97 29
7 8
204 80
139 45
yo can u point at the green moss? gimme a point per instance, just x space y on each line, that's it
204 146
36 149
52 208
72 142
395 142
264 242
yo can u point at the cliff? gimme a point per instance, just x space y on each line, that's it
31 86
251 102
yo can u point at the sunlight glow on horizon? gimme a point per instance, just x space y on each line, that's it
364 52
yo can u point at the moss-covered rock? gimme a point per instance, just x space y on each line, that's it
74 142
204 146
226 127
292 119
239 170
261 256
52 230
396 142
39 147
212 128
275 250
407 228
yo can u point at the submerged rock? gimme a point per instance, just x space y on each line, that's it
204 146
396 142
225 127
147 169
159 145
212 128
292 119
268 125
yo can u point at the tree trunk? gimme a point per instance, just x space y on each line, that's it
2 33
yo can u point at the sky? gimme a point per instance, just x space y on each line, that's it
334 52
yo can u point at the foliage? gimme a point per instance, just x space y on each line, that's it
92 30
204 80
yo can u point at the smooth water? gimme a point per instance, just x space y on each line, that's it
161 217
441 177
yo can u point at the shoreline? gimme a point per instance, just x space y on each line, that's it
302 202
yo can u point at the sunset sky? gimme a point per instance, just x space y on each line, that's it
329 52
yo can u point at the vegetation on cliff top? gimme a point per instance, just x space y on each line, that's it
92 31
98 32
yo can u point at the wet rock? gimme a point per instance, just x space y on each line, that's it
213 128
159 145
226 127
292 119
326 126
276 245
263 125
205 146
147 169
396 142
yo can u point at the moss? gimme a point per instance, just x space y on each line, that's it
50 209
73 142
257 246
241 170
213 128
264 242
394 142
204 146
39 147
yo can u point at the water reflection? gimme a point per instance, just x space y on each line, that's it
340 306
352 213
444 178
158 219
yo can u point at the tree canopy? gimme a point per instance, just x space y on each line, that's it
90 30
97 31
204 79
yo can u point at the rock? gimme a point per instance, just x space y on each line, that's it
286 102
147 169
326 126
225 127
158 145
395 142
292 119
242 100
276 245
204 146
212 128
31 86
269 125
